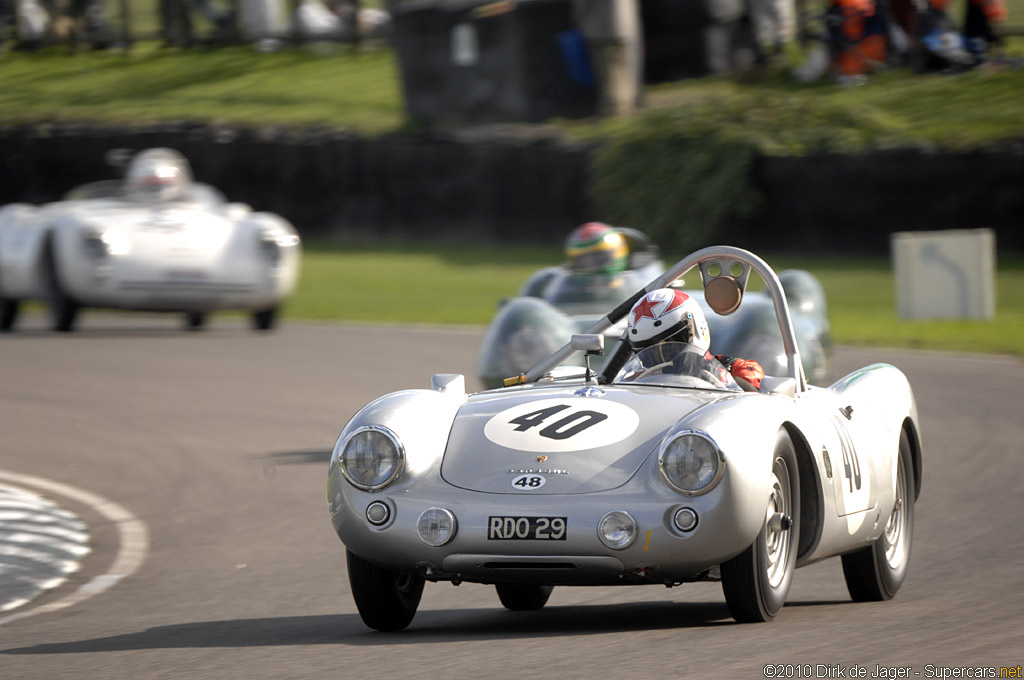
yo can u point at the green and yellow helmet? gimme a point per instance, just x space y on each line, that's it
596 248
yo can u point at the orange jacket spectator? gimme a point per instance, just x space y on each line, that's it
861 46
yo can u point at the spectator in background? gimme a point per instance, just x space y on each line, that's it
33 23
338 20
982 22
774 23
855 41
614 36
857 36
939 45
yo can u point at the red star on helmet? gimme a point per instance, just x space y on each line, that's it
645 308
677 300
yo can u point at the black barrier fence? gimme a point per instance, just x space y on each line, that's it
329 183
500 186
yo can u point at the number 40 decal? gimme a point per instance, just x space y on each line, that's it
564 427
565 424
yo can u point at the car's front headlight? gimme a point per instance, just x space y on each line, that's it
272 243
372 457
92 243
98 244
691 462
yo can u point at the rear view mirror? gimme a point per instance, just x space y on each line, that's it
588 342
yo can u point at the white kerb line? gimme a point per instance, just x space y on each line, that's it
132 549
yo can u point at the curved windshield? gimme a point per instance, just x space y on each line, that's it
606 289
676 364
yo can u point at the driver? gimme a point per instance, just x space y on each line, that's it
667 317
596 248
597 260
158 175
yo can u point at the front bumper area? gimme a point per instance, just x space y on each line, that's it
659 553
548 569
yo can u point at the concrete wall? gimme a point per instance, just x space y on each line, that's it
494 185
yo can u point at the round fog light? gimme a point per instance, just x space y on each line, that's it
436 526
685 519
617 530
378 513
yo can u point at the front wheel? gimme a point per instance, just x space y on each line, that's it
875 573
8 314
522 597
63 307
386 600
757 580
195 321
63 310
265 319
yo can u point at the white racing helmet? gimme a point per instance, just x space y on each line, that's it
158 175
667 314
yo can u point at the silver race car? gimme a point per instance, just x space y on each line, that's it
636 474
156 241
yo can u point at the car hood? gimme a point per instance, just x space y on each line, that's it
572 443
184 230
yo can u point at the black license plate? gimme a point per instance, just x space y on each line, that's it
526 528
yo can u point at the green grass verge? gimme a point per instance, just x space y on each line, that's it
861 296
340 88
463 285
411 284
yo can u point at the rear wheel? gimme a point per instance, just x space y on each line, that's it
387 600
757 580
523 596
875 573
8 314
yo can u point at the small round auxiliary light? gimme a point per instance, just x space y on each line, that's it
617 530
685 519
436 526
378 513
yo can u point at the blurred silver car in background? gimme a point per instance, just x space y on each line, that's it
155 241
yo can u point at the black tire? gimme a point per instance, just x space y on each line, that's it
756 582
195 321
63 308
387 600
523 597
265 319
8 314
875 573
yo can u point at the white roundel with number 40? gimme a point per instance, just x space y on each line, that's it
554 425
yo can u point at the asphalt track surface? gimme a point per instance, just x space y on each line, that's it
218 442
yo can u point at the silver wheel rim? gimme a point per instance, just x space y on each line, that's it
780 501
896 528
